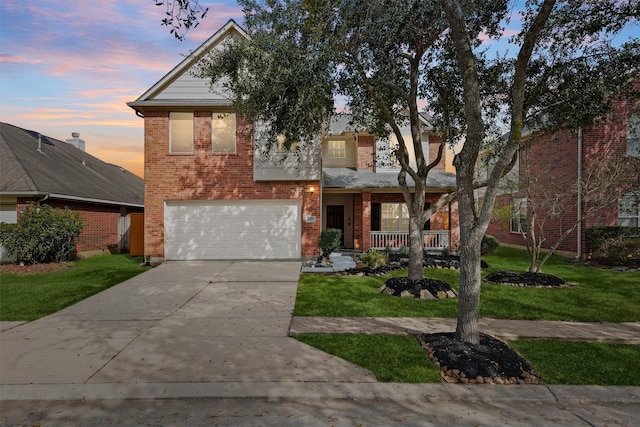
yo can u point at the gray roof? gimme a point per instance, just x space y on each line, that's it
61 170
352 179
343 122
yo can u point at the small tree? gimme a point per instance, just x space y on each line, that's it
42 234
330 241
602 183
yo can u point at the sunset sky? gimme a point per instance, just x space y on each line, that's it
71 66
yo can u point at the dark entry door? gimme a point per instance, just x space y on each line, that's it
335 219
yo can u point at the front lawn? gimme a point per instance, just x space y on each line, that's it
401 359
32 296
601 295
392 358
582 363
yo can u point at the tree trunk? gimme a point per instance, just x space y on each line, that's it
416 224
467 328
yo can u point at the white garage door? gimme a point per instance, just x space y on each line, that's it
256 229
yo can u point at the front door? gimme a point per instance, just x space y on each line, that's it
335 219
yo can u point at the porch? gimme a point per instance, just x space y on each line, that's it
433 240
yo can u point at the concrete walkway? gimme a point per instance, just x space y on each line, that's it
612 333
221 330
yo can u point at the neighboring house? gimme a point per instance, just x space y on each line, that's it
37 168
559 162
212 192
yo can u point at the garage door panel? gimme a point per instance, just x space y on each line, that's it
242 230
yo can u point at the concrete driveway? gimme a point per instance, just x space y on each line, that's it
181 322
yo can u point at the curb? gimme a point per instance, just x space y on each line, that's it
314 390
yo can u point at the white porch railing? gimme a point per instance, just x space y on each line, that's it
432 239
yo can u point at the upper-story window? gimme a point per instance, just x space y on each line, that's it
633 134
223 130
285 146
181 132
336 149
629 209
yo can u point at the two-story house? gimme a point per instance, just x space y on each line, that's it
212 192
575 168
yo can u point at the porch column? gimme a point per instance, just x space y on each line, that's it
362 221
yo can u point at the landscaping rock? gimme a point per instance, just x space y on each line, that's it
526 279
404 287
489 362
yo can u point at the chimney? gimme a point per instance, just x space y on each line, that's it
76 141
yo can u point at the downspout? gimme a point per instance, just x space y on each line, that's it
579 210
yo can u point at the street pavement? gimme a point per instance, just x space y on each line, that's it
207 343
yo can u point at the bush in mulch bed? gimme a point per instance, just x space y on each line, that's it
422 289
526 279
489 362
397 262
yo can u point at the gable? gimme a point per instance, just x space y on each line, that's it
180 88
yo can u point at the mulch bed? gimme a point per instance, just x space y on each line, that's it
399 262
526 279
35 268
489 362
423 289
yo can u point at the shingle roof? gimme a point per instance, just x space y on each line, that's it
349 178
61 169
343 122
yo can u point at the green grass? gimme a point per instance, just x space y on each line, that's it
579 363
600 295
392 358
32 296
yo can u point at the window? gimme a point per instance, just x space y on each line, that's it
633 134
336 149
518 215
181 132
285 146
394 217
223 132
629 209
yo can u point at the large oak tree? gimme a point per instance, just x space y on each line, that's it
564 61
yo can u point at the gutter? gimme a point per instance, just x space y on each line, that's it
579 210
66 197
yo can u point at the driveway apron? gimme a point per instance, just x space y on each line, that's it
206 321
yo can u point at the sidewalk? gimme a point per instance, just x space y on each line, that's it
611 333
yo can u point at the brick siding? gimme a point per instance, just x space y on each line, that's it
554 157
204 175
100 230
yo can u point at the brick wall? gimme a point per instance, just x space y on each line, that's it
366 152
554 158
434 145
100 230
204 175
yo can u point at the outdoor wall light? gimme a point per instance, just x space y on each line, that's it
311 189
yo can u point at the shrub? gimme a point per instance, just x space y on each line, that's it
489 244
329 241
42 234
374 259
404 251
614 245
597 235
